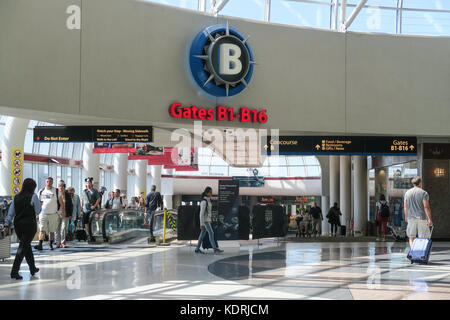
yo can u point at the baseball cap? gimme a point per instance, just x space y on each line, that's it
103 188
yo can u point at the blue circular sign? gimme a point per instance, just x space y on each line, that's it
221 61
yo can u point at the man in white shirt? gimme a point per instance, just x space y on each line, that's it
117 201
48 218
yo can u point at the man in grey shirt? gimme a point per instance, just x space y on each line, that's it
417 211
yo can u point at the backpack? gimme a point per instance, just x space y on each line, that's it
384 211
57 195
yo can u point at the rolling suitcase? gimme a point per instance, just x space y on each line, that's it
420 250
80 233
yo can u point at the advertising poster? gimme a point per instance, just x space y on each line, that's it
114 148
183 159
154 155
16 170
228 210
269 221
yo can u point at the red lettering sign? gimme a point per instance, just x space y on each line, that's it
220 113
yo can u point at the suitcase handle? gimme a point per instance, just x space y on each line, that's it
431 230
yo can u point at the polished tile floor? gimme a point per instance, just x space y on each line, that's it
271 270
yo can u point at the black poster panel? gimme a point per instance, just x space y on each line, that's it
228 209
188 223
268 221
244 223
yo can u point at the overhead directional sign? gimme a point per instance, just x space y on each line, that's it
118 134
329 145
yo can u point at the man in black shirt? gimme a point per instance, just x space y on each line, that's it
153 202
317 218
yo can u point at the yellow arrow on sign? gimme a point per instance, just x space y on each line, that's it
317 147
266 147
411 147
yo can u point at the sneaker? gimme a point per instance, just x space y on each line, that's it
51 246
64 245
38 247
153 239
58 246
377 239
199 251
218 251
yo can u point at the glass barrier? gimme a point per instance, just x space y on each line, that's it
107 223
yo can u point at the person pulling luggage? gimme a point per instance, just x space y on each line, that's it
417 212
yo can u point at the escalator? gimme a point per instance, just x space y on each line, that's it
115 226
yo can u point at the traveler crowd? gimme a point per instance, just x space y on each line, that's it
309 221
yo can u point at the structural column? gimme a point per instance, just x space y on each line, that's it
334 180
360 196
140 185
325 208
91 163
14 137
156 176
167 190
345 190
120 175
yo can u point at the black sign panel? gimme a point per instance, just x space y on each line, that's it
118 134
269 221
228 210
349 145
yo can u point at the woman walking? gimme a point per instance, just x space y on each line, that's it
205 221
24 207
382 215
333 218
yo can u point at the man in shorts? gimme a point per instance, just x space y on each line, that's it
316 214
417 211
90 200
48 218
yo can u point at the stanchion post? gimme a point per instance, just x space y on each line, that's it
164 229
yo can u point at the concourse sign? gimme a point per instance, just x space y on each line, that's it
112 134
329 145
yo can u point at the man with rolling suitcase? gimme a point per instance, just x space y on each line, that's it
417 212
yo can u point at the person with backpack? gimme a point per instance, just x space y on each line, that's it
333 218
76 204
205 221
116 202
152 202
382 213
48 218
23 209
89 202
65 214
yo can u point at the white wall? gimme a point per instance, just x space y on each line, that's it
133 66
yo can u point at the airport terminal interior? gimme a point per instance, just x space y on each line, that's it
274 107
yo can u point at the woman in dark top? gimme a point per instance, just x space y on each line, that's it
24 209
333 218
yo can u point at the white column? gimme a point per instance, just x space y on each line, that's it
360 196
325 208
156 176
140 184
167 189
345 190
334 180
293 210
120 175
91 162
14 137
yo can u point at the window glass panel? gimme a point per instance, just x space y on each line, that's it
428 4
278 171
297 171
295 160
44 148
28 148
59 149
313 171
426 23
250 9
27 170
300 14
374 19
